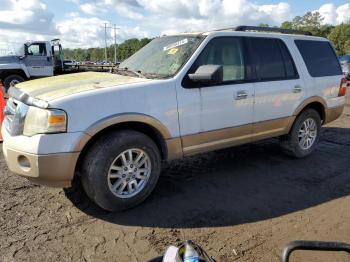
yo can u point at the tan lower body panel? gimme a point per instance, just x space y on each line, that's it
218 139
272 128
223 138
212 140
333 113
52 170
174 147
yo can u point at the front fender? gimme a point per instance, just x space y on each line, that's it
128 117
14 66
173 145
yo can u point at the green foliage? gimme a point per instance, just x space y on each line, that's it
263 25
124 50
313 23
340 36
310 22
130 46
287 25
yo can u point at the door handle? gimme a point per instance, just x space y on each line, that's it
297 89
241 95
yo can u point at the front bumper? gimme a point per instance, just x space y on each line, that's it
52 169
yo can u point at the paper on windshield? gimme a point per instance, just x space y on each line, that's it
173 51
173 45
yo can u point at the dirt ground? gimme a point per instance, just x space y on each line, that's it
240 204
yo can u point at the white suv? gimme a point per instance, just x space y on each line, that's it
180 95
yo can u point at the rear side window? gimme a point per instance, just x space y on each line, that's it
319 57
273 60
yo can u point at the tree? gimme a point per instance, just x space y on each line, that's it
287 25
340 37
124 50
263 25
311 22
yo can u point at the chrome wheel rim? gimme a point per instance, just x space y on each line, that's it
129 173
14 82
307 133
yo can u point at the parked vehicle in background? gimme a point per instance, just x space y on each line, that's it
178 96
106 63
37 59
70 63
345 63
34 59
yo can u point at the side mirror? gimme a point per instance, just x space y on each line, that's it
313 246
208 74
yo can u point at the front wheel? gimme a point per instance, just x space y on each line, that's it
121 170
304 135
12 80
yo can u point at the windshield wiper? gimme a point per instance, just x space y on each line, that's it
141 74
155 75
127 70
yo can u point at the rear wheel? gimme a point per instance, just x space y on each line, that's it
12 80
121 170
304 135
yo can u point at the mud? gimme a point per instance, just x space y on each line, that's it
240 204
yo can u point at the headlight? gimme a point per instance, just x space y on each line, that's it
44 121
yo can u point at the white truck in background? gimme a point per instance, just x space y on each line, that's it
35 59
32 60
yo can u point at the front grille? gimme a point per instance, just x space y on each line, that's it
15 113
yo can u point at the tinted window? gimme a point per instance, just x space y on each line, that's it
273 60
289 65
227 52
319 57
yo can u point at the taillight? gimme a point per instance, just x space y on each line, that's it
343 86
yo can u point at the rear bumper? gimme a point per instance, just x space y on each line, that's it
333 113
55 170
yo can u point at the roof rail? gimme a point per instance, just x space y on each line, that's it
244 28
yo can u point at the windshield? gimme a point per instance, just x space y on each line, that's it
11 49
163 56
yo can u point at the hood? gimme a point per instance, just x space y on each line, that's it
9 59
51 88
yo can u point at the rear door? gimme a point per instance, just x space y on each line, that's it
324 70
278 88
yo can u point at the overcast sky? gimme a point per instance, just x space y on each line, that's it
78 23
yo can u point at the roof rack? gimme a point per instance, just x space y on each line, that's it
244 28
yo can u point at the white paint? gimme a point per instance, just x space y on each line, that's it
185 111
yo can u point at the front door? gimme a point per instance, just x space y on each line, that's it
37 60
217 116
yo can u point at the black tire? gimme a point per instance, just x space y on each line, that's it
99 159
290 143
12 78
